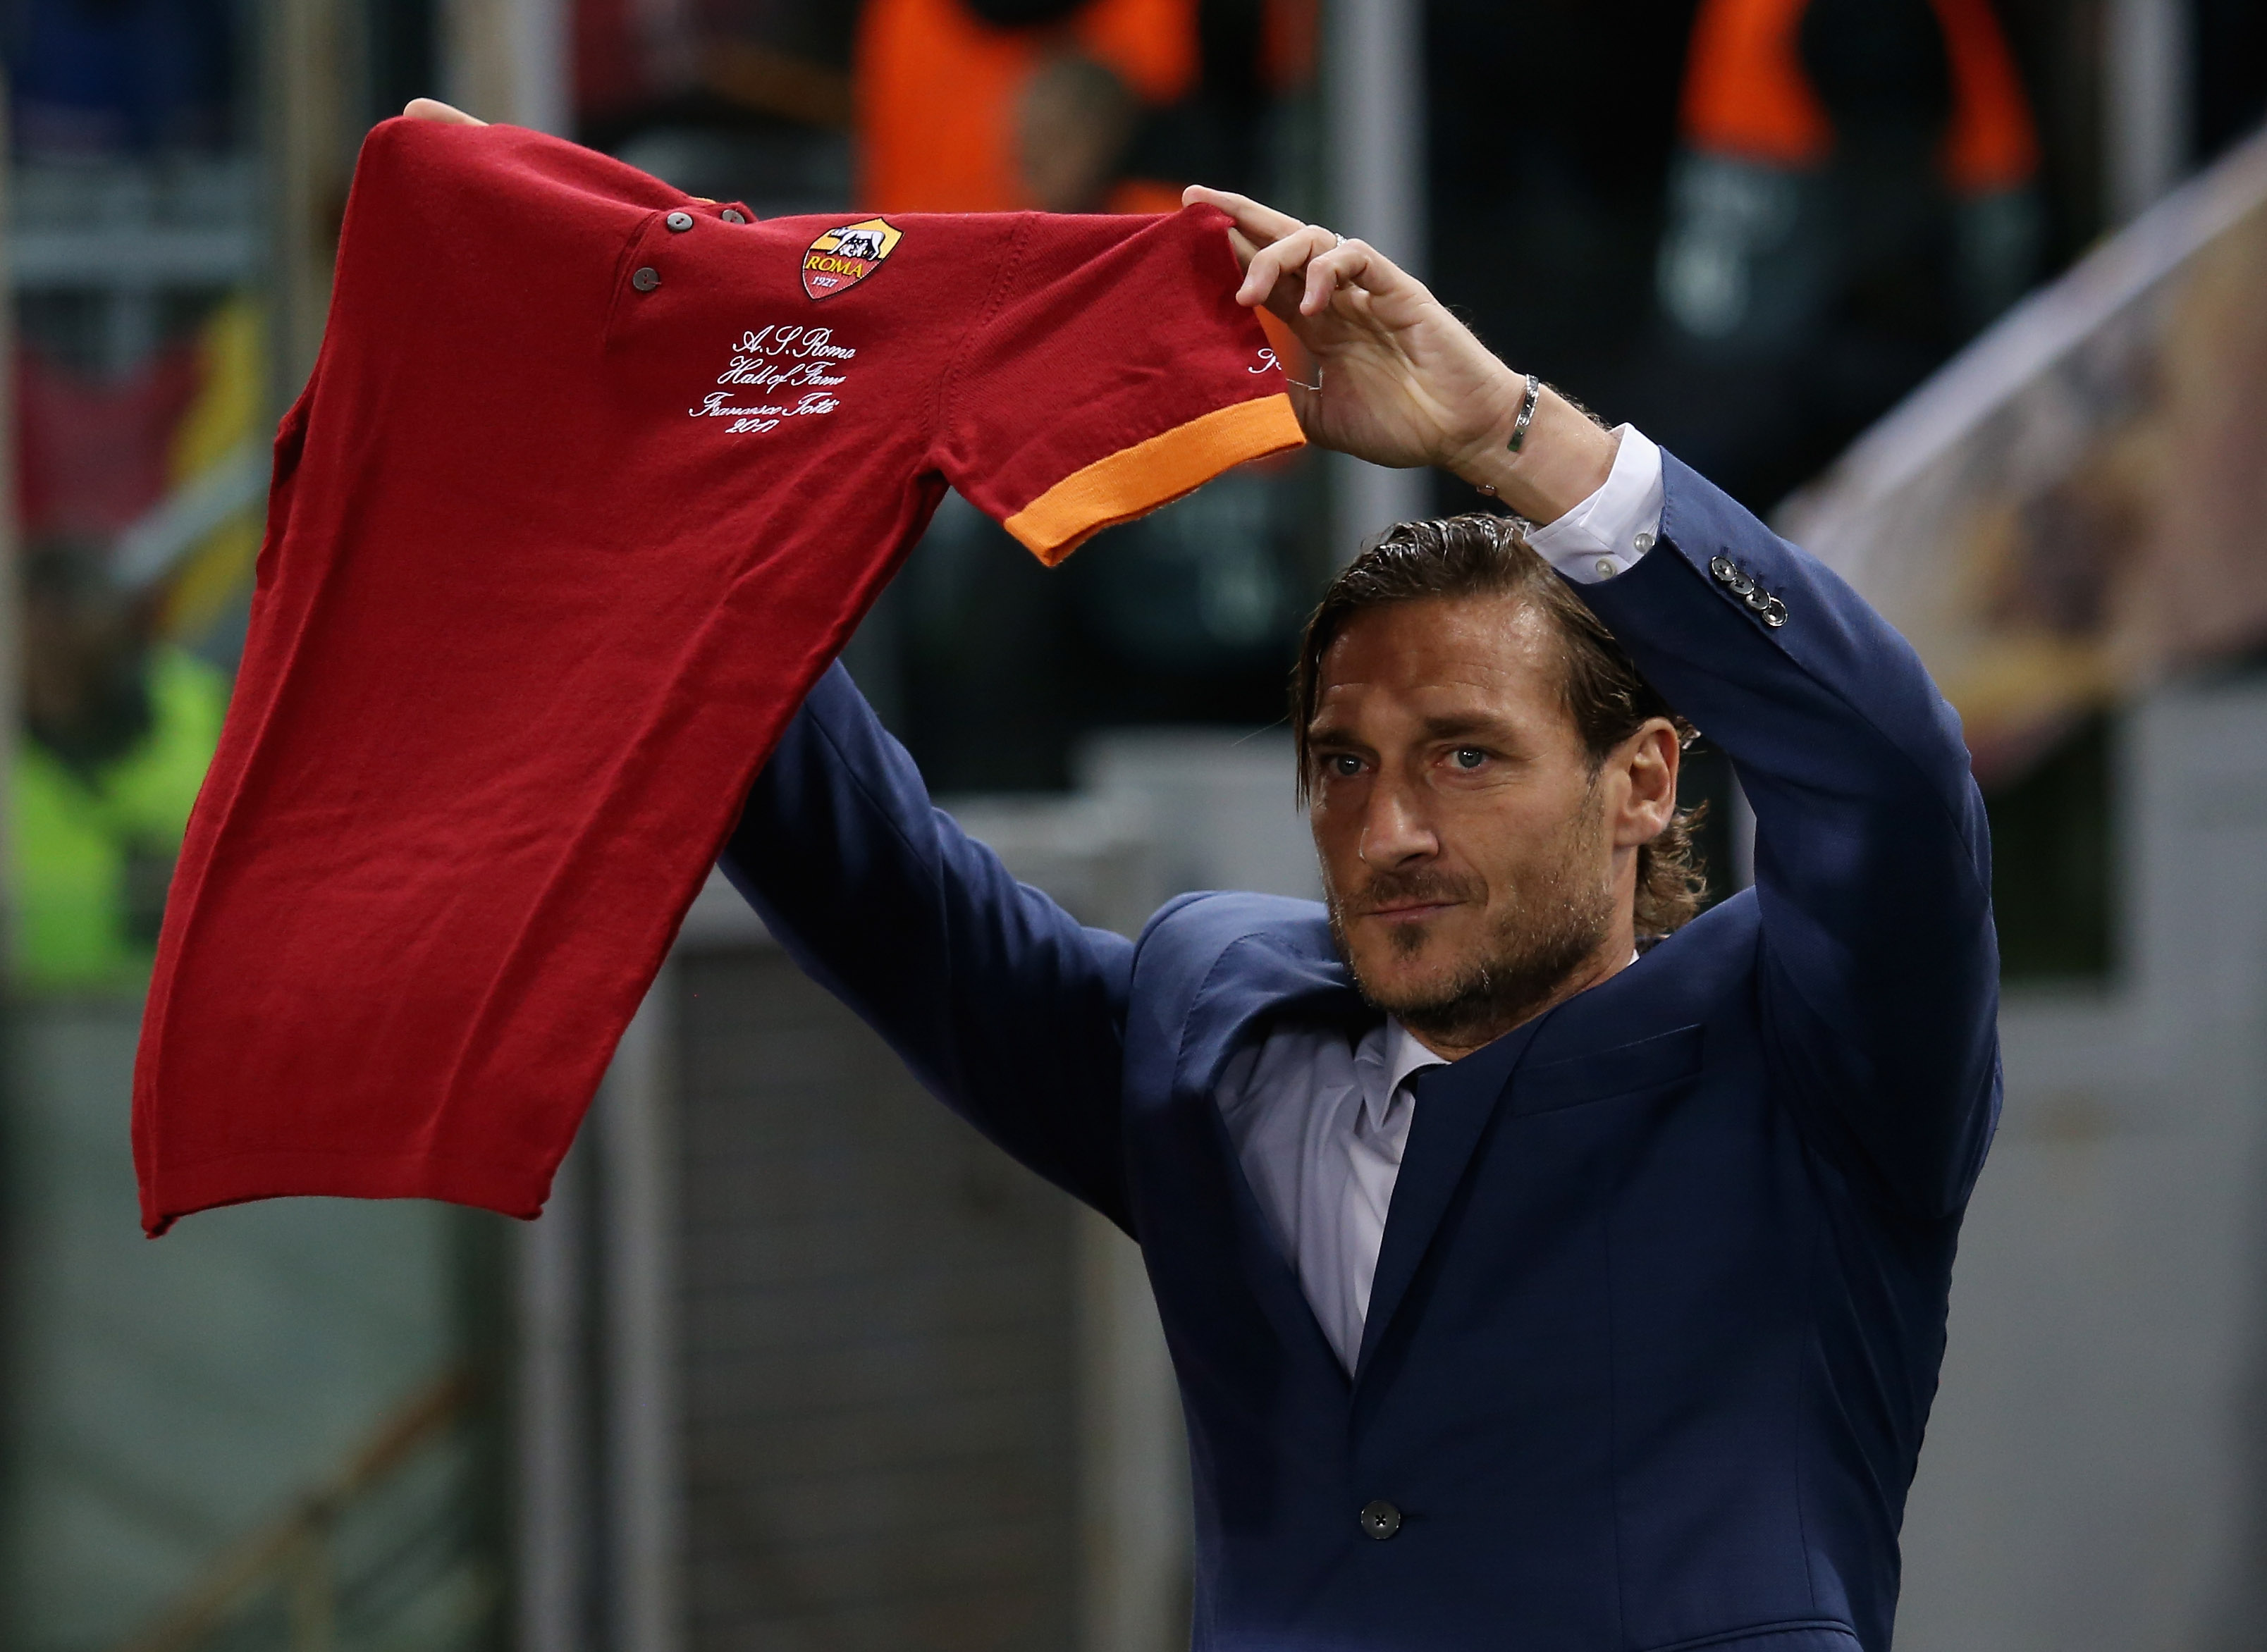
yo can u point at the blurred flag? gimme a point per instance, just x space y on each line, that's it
2070 510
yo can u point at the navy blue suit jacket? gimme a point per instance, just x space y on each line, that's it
1660 1303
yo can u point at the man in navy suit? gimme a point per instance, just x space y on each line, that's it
1542 1270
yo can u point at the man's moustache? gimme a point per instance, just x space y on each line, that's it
1409 888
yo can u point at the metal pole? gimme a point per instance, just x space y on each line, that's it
554 1418
508 60
637 1142
307 177
12 639
1373 88
1134 1490
540 47
2147 76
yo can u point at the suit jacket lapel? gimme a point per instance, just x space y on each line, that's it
1453 1106
1291 972
1272 1276
1273 980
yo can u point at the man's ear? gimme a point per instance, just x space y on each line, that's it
1650 759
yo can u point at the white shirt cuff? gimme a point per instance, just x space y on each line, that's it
1608 532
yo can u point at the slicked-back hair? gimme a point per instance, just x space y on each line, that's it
1608 699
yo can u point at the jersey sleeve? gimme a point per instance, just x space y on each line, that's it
1113 372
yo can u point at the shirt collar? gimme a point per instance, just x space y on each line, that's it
1402 1057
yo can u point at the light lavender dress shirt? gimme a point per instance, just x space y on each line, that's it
1318 1125
1319 1120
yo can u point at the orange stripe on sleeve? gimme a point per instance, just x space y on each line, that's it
1135 480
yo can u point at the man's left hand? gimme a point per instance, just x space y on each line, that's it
1404 383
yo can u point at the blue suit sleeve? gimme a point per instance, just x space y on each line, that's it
1879 971
1002 1003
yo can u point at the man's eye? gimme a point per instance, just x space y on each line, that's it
1343 766
1468 757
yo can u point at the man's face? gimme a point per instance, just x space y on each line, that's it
1479 867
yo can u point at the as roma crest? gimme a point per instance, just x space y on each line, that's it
840 258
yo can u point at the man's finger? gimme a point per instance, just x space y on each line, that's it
1262 224
1282 260
434 109
1267 268
1357 264
1349 264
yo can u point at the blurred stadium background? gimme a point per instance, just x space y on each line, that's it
1972 293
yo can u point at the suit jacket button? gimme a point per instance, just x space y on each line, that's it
1380 1519
1723 569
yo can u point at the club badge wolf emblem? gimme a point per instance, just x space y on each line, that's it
840 258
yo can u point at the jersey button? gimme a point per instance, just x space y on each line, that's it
732 214
1380 1519
678 223
647 279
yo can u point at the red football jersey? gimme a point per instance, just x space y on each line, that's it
590 482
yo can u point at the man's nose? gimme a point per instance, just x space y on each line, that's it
1395 829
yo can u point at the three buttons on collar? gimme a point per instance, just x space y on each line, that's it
645 278
1758 602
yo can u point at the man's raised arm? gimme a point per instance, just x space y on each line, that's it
1008 1010
1880 967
